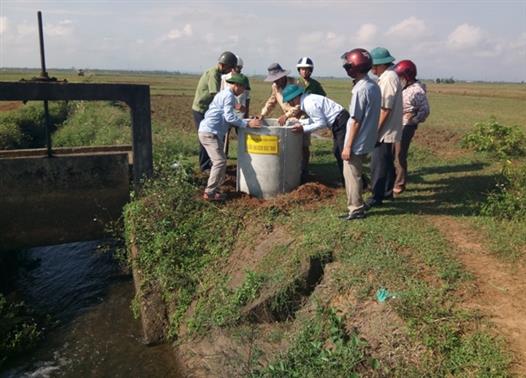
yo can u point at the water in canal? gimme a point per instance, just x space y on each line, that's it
82 287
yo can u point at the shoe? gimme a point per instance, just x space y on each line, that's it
355 215
213 197
371 202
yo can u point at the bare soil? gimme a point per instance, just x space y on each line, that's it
309 195
498 289
441 142
377 323
6 106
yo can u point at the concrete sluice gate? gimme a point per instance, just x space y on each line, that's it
268 159
69 197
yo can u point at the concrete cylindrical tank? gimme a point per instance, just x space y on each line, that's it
268 159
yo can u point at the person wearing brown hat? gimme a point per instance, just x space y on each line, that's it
278 76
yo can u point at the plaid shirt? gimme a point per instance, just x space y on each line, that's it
416 106
277 97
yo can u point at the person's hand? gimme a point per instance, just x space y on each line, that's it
282 120
254 123
297 128
346 154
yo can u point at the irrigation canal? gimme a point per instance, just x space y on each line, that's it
83 287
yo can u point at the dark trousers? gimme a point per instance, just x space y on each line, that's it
339 128
382 171
401 151
204 160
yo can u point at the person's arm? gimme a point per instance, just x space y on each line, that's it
384 114
214 84
229 114
270 104
247 106
421 105
231 117
353 127
317 120
388 88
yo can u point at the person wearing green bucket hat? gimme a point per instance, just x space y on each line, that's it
389 127
381 55
323 113
213 128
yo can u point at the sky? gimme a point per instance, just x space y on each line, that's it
463 39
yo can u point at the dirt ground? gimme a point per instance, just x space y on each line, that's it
498 288
309 194
6 106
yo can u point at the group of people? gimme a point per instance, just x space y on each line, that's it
382 119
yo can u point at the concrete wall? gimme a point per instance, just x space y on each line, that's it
60 199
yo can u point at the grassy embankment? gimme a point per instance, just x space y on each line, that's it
214 263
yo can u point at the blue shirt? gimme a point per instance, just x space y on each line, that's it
221 114
365 107
322 112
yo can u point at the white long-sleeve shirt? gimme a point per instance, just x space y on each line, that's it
322 112
220 114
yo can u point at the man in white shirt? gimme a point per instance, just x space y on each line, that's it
241 108
389 127
323 113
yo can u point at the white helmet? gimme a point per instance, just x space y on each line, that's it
305 62
239 61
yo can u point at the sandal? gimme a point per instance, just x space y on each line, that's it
213 197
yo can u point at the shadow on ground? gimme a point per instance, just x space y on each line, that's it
454 195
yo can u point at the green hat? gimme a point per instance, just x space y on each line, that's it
291 91
381 56
238 79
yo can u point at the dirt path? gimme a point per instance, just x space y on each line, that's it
499 288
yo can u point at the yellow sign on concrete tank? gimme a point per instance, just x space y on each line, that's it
262 144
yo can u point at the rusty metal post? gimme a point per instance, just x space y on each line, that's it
44 76
43 72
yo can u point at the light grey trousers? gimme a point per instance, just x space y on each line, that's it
215 149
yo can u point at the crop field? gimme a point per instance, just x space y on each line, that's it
430 284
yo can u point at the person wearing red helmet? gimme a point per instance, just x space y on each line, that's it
361 133
415 111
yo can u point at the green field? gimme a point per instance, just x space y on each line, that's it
456 273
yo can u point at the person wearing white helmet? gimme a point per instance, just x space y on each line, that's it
305 67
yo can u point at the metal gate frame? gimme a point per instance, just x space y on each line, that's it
136 96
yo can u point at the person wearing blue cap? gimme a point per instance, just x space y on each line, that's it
323 113
213 128
389 127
